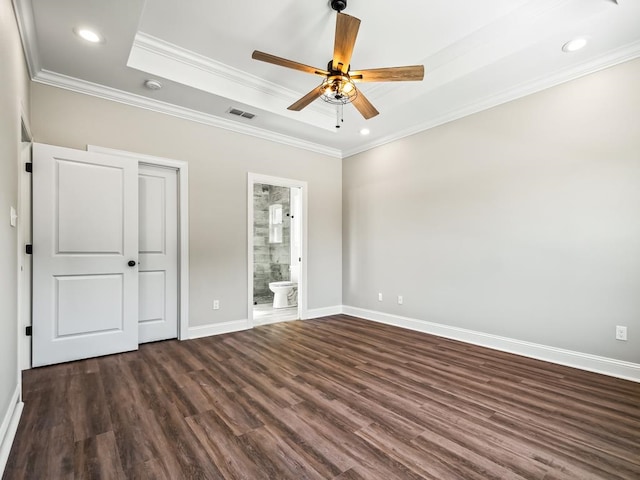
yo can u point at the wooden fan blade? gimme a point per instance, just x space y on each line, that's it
364 106
346 33
307 99
390 74
283 62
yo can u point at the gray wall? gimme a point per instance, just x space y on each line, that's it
218 164
521 221
14 92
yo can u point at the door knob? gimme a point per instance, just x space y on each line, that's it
131 263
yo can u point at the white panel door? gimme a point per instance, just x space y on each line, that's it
85 234
158 253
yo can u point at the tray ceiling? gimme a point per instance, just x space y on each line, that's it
476 55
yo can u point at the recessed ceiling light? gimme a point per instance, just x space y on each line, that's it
89 35
574 45
365 131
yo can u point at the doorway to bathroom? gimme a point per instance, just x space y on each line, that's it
277 249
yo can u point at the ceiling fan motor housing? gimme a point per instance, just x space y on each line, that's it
339 5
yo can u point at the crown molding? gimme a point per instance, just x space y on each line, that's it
178 64
89 88
27 27
238 77
481 47
610 59
173 56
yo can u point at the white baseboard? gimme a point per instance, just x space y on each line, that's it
583 361
9 427
323 312
218 328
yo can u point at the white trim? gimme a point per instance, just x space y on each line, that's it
183 213
88 88
610 59
323 312
27 27
24 16
218 328
23 207
175 63
9 427
24 261
253 178
582 361
24 118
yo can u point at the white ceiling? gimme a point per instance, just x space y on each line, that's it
477 54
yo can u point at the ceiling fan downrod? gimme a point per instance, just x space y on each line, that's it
338 5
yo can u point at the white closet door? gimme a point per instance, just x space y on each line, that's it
158 253
85 235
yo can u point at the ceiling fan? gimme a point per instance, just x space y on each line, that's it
338 86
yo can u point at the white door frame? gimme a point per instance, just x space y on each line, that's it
23 237
157 253
182 168
252 179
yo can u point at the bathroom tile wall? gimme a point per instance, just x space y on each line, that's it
271 260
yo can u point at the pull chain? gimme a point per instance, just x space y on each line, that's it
339 115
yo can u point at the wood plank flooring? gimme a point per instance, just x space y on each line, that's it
334 398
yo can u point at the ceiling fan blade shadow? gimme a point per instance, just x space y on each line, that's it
283 62
346 33
389 74
307 99
364 106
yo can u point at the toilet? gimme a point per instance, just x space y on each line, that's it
285 294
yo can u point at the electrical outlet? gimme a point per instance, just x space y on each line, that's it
379 297
400 300
621 332
216 304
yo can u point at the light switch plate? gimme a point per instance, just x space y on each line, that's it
13 217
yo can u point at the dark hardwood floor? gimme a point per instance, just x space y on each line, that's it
338 398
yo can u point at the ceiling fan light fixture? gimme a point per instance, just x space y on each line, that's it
348 87
338 90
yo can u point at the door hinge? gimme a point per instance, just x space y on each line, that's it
28 167
28 249
28 330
